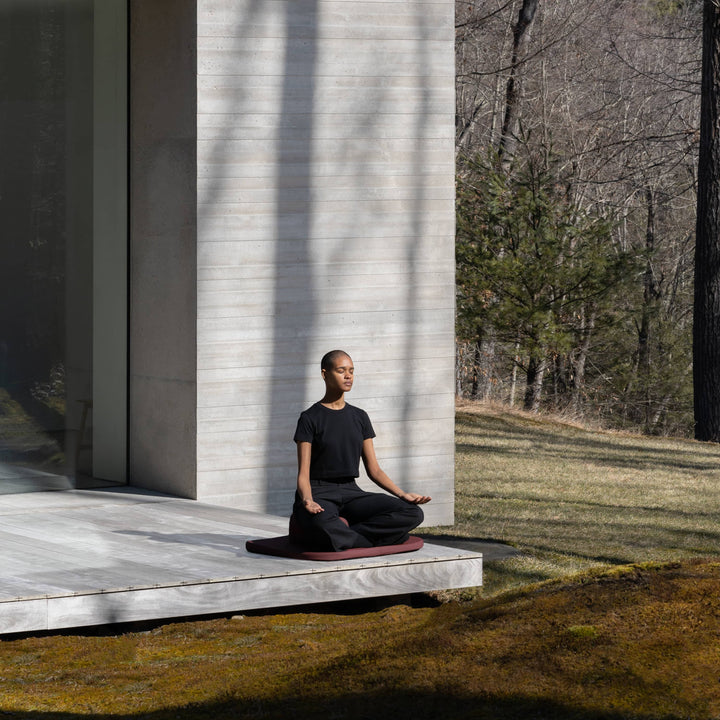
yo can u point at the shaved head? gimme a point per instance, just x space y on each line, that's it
328 361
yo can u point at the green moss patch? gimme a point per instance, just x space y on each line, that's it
636 642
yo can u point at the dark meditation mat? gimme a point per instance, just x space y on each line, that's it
284 547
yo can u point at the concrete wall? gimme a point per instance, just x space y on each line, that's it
163 235
325 219
324 190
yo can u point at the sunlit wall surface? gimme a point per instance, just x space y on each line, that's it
56 178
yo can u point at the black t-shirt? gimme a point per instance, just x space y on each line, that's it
336 437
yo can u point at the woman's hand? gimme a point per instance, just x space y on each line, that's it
415 499
312 507
380 478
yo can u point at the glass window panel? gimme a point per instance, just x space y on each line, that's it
48 239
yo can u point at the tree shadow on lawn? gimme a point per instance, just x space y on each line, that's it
606 521
599 453
655 518
653 512
491 548
637 543
449 704
620 451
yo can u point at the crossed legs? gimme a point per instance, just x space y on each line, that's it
373 518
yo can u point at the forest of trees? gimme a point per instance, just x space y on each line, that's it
577 136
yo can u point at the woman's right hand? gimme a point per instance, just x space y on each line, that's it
312 507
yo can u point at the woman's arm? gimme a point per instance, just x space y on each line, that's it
304 450
381 479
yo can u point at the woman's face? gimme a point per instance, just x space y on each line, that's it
340 376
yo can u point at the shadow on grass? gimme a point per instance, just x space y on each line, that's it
653 512
631 531
597 559
399 704
497 576
570 442
491 548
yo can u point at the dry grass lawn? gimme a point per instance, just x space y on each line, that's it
572 498
613 642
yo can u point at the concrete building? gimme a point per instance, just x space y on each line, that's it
199 199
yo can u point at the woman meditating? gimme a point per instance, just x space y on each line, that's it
332 436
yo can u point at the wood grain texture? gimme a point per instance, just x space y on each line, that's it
127 557
325 218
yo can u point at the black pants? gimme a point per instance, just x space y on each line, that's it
374 518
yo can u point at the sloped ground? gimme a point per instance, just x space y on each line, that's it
636 642
571 498
615 641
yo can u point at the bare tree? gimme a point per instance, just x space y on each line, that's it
610 95
511 119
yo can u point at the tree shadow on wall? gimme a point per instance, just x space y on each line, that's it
294 309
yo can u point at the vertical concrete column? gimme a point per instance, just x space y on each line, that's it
109 256
163 244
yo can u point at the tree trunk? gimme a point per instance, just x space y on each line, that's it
650 296
458 371
533 388
706 326
477 369
580 360
515 366
511 119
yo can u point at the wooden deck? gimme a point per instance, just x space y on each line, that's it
92 557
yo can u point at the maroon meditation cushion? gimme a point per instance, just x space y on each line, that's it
294 545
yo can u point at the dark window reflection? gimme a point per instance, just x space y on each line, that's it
46 130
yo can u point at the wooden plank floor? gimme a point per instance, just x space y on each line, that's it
92 557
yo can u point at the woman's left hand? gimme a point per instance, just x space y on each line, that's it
415 499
